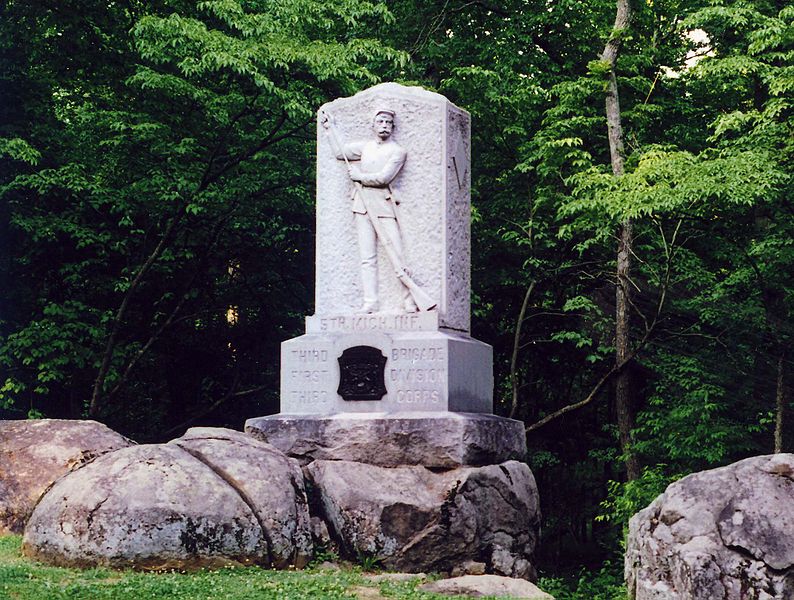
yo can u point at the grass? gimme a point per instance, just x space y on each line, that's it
24 579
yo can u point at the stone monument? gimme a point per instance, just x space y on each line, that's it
390 334
387 399
399 228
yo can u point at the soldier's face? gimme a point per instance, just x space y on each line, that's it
383 125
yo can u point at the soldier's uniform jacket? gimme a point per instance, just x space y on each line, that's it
379 164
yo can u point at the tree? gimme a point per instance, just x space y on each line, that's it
154 186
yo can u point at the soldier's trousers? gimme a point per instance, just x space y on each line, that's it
368 252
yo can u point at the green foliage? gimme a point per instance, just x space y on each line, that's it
676 183
25 580
55 348
19 149
368 562
604 584
624 499
176 183
322 556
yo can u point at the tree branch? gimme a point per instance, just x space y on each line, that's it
110 345
616 369
217 230
514 357
225 398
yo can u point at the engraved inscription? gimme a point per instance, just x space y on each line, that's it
418 396
309 396
417 375
372 323
309 375
417 372
417 354
307 382
309 356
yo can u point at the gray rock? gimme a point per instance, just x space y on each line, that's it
413 519
212 498
320 536
34 453
442 439
726 533
270 483
477 586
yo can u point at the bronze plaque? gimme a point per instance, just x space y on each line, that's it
361 374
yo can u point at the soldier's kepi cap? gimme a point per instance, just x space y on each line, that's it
388 111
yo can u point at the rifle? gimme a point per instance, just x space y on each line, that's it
422 299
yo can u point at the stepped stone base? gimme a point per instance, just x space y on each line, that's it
431 439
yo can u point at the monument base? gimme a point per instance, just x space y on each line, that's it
385 371
417 491
431 439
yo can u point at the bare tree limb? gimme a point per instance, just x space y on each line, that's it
110 344
223 399
587 400
615 370
621 364
218 228
207 179
516 346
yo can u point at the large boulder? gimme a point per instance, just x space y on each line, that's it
34 453
414 519
727 533
270 483
211 498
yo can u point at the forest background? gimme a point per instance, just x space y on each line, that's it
635 281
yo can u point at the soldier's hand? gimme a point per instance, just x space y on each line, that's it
326 120
354 172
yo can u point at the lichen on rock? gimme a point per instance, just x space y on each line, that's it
211 498
727 533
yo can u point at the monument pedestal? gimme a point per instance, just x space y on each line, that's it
416 491
400 370
445 440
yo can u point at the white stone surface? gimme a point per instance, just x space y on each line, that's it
433 188
432 364
424 371
418 321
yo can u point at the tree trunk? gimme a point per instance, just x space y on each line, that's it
624 397
780 401
624 394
